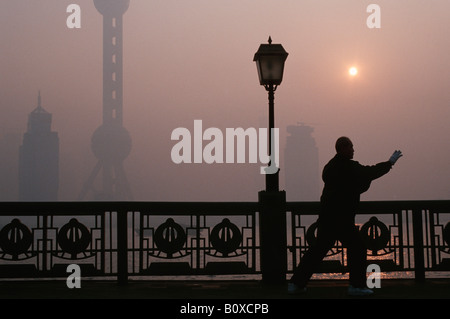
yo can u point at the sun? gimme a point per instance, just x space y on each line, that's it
353 71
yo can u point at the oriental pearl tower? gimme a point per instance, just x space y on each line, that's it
111 142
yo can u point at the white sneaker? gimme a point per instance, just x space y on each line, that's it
293 289
352 291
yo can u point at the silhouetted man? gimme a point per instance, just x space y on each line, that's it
344 180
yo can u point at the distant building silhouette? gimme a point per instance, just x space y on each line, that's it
9 164
301 164
111 142
39 158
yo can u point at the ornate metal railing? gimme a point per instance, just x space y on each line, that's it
39 240
142 239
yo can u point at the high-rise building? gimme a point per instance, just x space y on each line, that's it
9 164
301 164
39 158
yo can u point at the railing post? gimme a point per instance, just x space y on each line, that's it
272 230
419 263
44 242
122 247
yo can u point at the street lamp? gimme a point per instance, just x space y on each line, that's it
270 60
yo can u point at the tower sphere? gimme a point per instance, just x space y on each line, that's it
111 142
112 7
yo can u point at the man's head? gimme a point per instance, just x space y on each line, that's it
344 147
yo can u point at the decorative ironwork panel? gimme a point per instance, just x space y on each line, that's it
74 241
16 241
384 239
44 245
193 244
437 240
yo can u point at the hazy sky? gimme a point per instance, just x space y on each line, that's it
193 59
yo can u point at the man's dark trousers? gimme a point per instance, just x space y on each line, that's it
327 234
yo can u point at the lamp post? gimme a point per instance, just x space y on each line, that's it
270 60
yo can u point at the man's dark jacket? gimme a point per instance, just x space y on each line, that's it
345 180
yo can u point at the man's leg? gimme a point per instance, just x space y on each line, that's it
313 257
356 256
